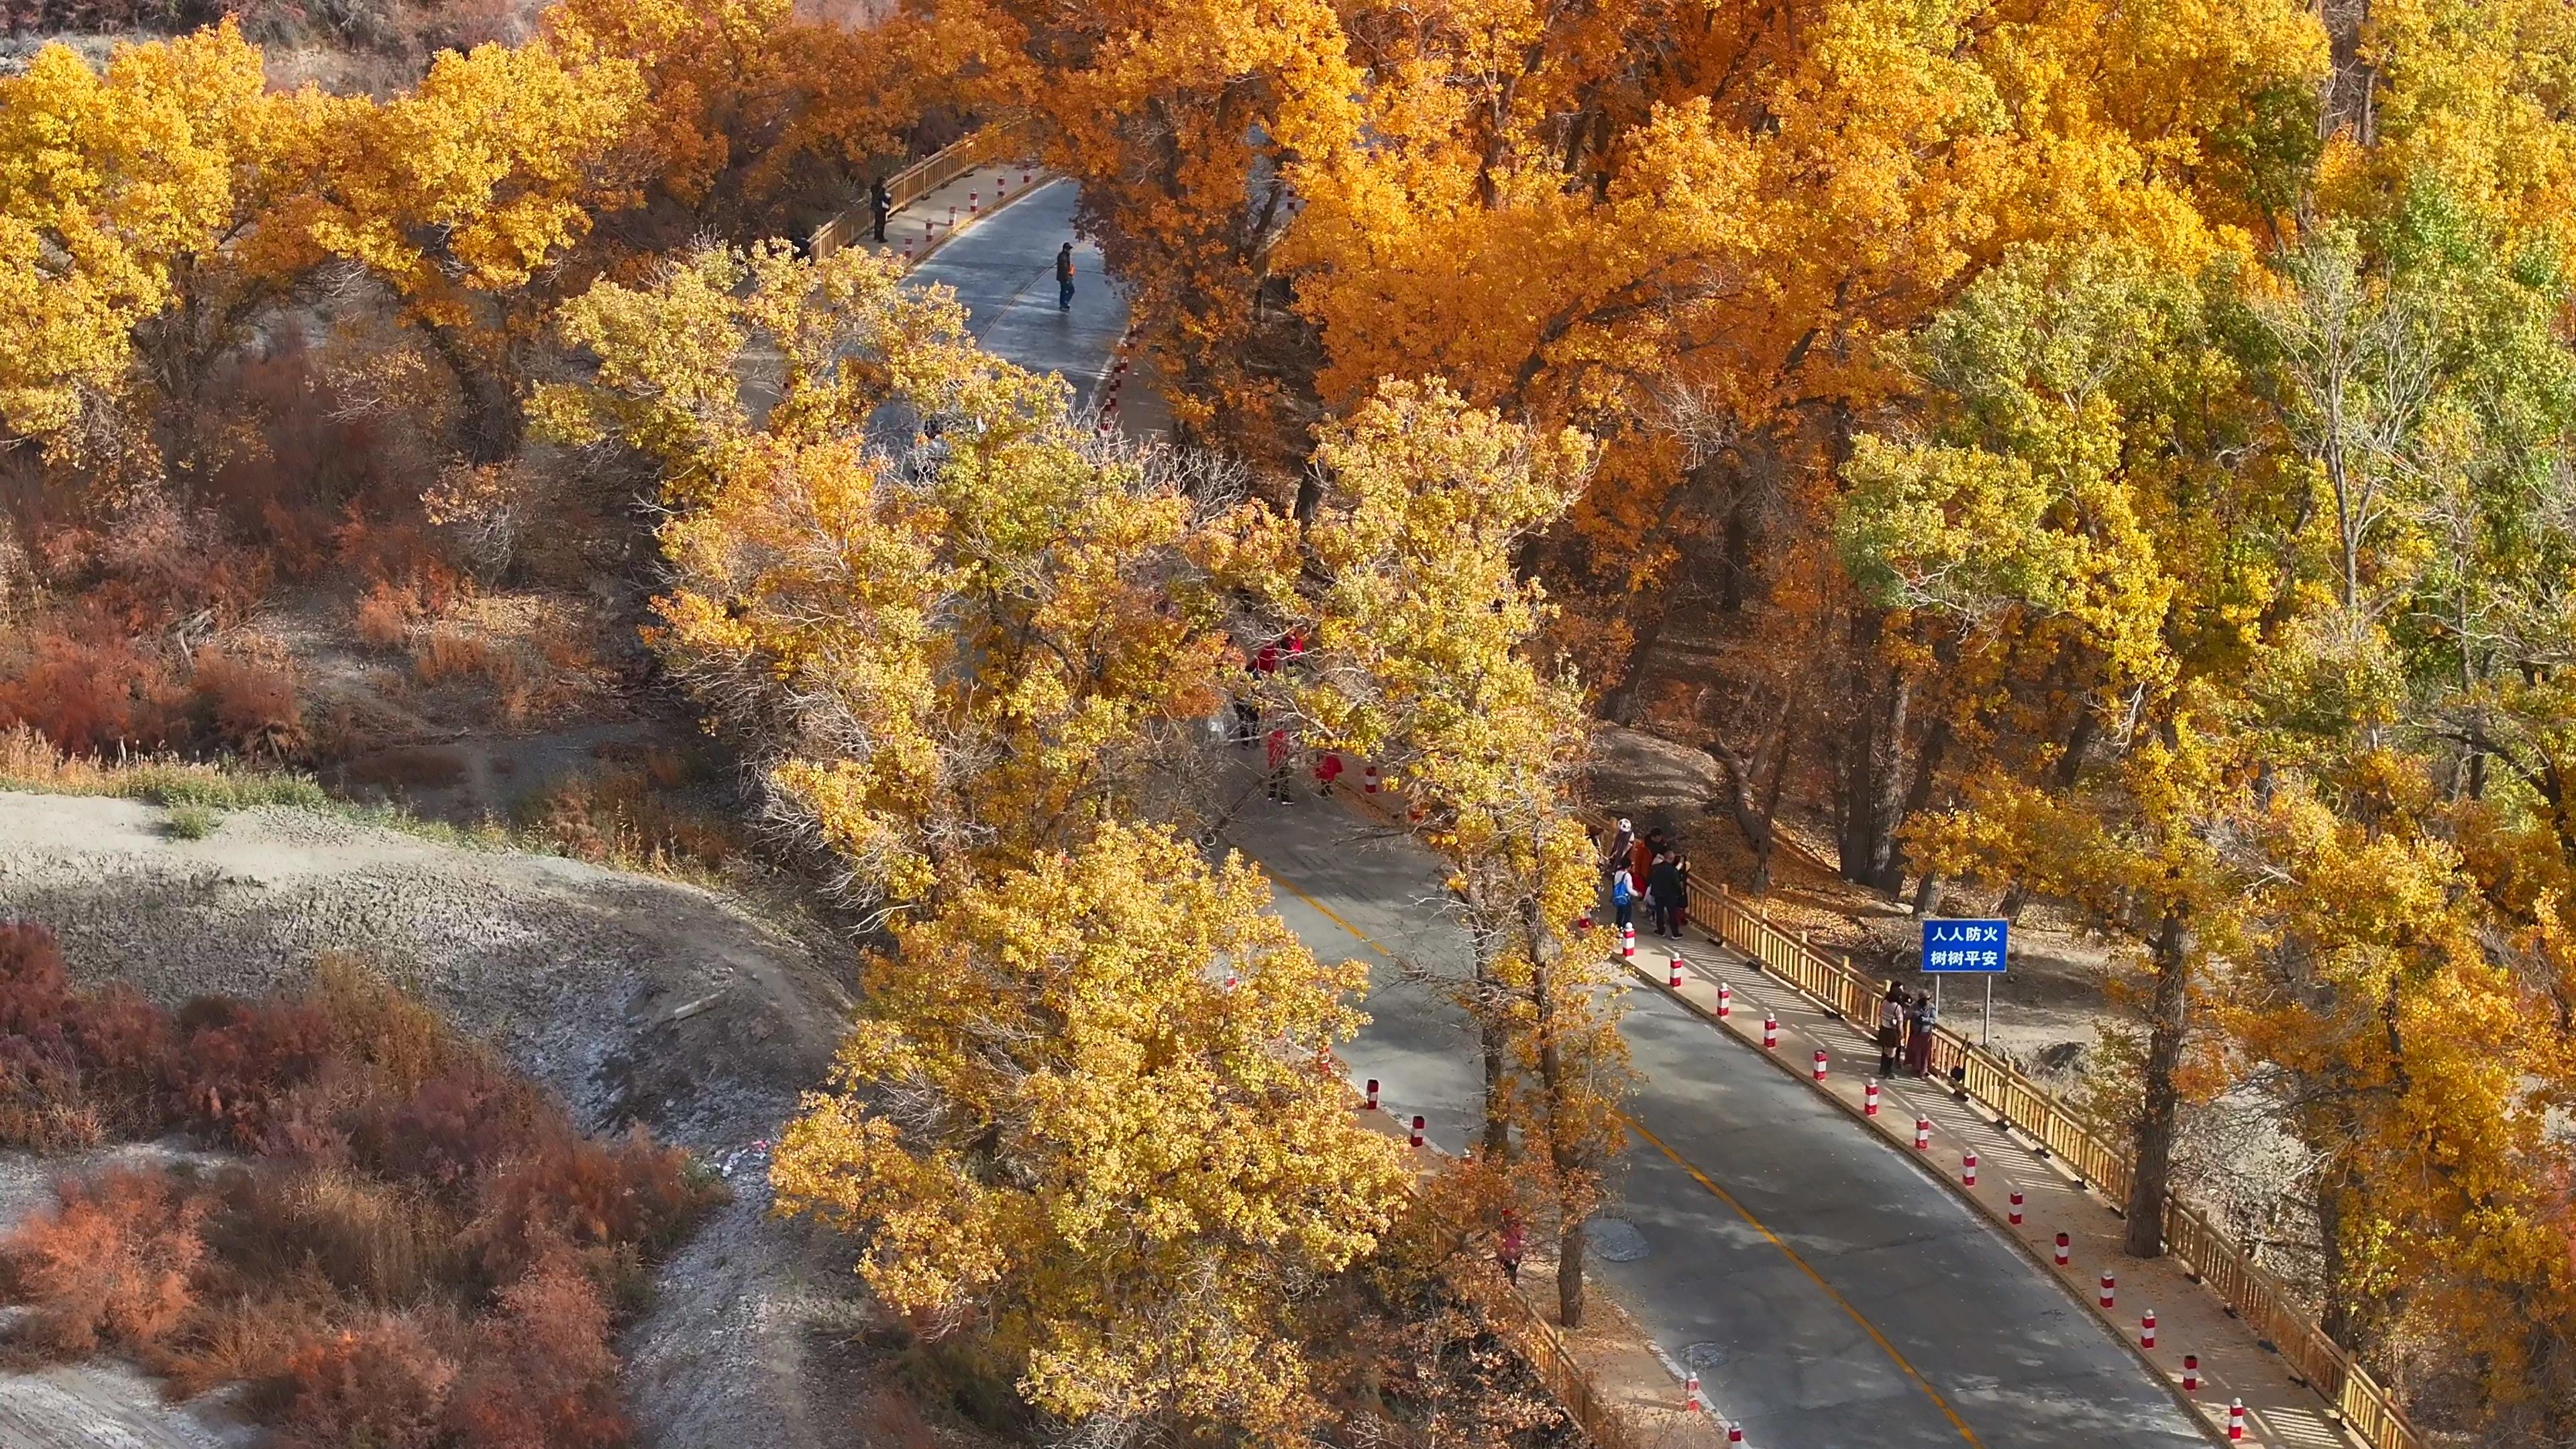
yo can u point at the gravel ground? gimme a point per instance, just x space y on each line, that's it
635 998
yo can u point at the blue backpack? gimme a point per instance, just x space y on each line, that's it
1620 893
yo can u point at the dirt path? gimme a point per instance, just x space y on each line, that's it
635 998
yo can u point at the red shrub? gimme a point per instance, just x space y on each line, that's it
609 1203
112 1264
540 1374
386 1385
88 697
71 1065
236 1061
452 1129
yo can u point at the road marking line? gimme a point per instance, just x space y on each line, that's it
1813 1276
1330 914
1702 1178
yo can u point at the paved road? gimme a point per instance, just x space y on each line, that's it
1003 269
1827 1290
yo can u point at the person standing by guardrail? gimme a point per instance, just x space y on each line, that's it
880 204
1891 1030
1927 1020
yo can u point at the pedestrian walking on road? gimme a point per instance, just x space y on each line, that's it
1510 1246
1927 1015
1664 896
1891 1030
1064 278
1623 897
880 204
1329 770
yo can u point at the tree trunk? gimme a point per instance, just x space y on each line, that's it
2156 1121
1492 1043
495 420
1569 1277
1928 893
1874 785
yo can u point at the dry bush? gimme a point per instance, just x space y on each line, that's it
73 1066
249 702
154 565
615 818
448 653
447 1132
384 1384
373 1242
109 1265
236 1340
383 616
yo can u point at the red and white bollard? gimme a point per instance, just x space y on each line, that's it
1677 973
1968 1169
952 218
2235 1420
1922 1134
2108 1283
1820 1064
2191 1373
1770 1032
1628 943
2061 1250
1229 981
2014 1217
1368 783
1417 1129
1024 178
1372 1094
1869 1098
1735 1433
2147 1329
1690 1396
974 203
1725 999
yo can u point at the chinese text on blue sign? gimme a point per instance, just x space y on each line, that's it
1964 945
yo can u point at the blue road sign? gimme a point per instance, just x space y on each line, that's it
1965 946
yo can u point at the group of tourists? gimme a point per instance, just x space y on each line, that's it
1281 755
1648 870
1905 1030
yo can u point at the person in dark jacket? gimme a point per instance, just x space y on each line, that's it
1891 1030
1664 895
1064 278
1918 1046
880 204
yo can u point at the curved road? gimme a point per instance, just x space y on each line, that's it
1828 1291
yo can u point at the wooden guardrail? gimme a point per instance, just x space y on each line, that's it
902 189
2261 1300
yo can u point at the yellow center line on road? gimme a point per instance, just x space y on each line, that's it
1703 1179
1814 1277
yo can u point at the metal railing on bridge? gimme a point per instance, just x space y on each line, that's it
902 189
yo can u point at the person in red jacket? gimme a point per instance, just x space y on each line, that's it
1327 772
1277 783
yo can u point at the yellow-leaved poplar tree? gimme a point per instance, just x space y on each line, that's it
1092 1106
